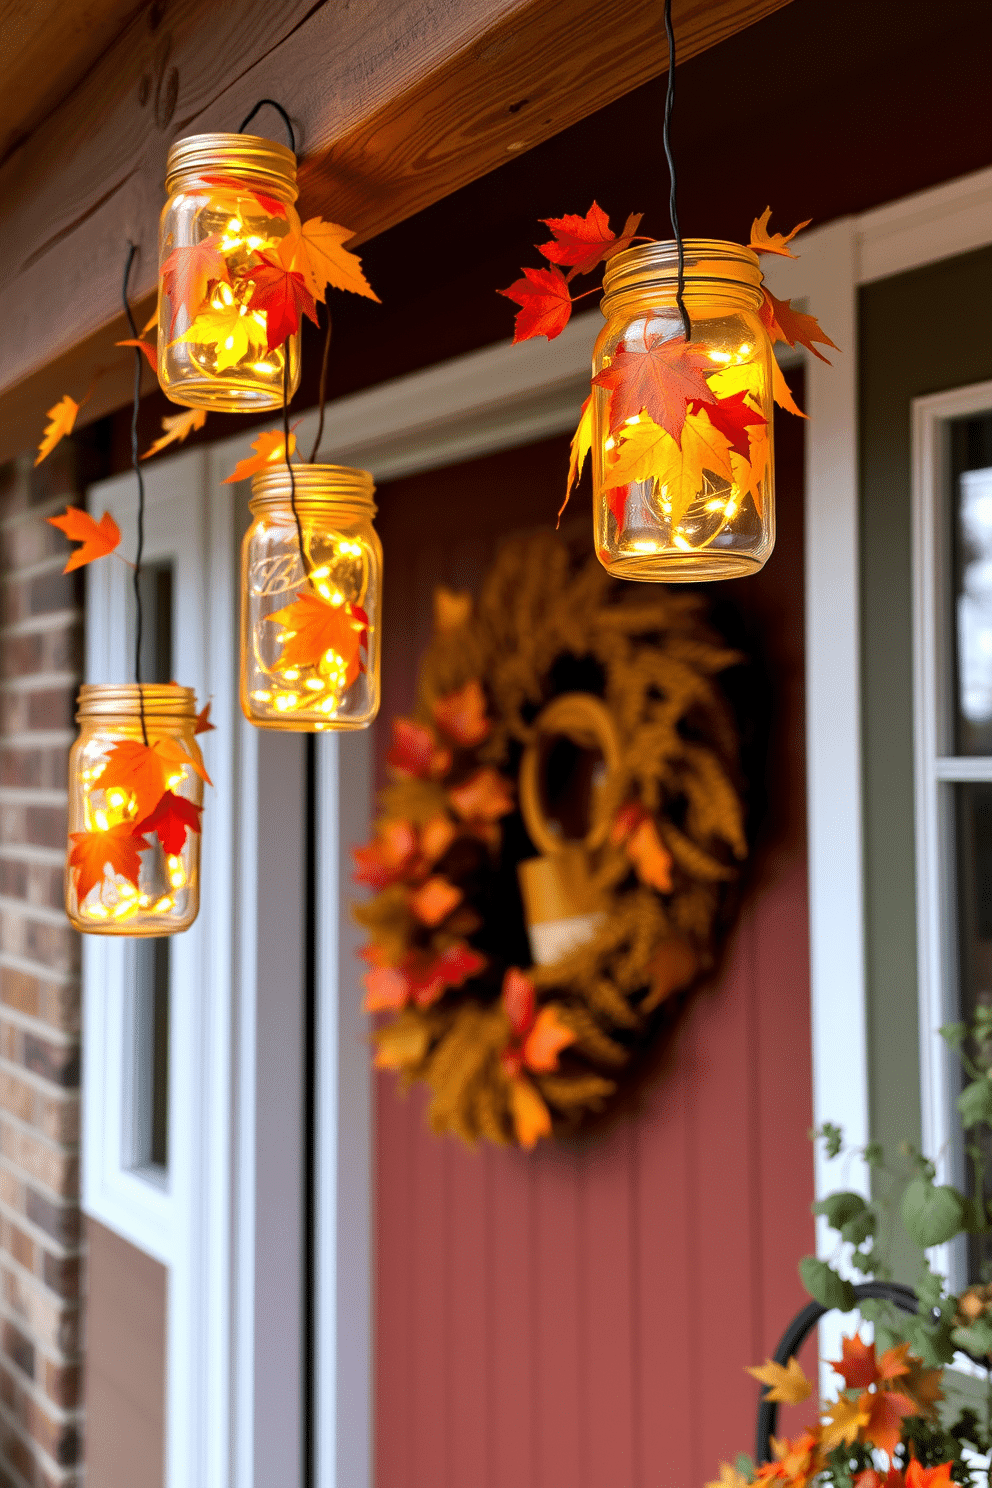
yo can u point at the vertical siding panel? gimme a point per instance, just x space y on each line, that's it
469 1355
395 1136
560 1335
514 1291
606 1221
430 1239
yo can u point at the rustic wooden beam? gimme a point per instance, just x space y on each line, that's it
396 102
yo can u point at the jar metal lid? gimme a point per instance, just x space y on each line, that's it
248 157
336 486
708 261
162 701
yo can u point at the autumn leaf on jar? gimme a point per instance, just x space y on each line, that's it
545 304
271 205
315 631
148 351
280 294
187 274
270 449
169 822
462 715
735 418
415 751
581 243
203 724
176 427
97 538
319 255
762 241
434 901
91 853
61 421
145 771
661 381
785 324
578 451
234 332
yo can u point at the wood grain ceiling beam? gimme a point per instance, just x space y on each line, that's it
396 103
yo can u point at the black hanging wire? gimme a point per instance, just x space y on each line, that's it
132 253
323 386
262 102
667 139
289 465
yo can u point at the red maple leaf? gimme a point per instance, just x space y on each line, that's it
785 324
414 751
518 1000
270 204
420 979
187 272
857 1365
462 715
91 852
732 415
281 292
583 242
169 822
545 304
887 1408
203 724
388 857
661 381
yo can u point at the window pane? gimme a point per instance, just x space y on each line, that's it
971 548
973 832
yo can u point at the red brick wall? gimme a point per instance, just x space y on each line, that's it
40 1234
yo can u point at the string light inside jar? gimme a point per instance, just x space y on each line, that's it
311 614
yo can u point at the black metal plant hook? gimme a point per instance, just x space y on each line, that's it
136 404
279 110
667 141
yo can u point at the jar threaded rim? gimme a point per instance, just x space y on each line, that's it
708 261
315 485
249 157
161 700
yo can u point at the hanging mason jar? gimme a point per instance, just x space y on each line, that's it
310 630
683 469
222 340
135 797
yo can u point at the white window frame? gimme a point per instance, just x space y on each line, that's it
937 768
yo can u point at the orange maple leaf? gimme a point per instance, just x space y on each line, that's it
462 715
143 770
546 1040
886 1409
150 352
169 821
321 258
92 852
281 294
97 538
857 1365
176 428
661 381
762 241
487 796
781 393
893 1363
650 857
414 751
580 447
203 724
187 273
545 304
270 449
785 324
435 900
927 1477
313 627
583 242
420 978
62 418
646 452
388 857
531 1117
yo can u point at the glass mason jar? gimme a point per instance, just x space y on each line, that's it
310 630
134 853
683 472
230 205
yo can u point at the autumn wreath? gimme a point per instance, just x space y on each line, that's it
569 717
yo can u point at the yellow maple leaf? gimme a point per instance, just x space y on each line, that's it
150 322
786 1382
233 331
270 449
322 260
781 393
762 241
581 445
645 452
176 428
729 1478
61 421
750 474
844 1420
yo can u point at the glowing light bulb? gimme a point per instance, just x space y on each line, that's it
722 357
102 824
681 542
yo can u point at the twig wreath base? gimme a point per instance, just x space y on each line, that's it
513 1051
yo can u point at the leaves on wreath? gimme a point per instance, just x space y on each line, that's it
414 751
462 715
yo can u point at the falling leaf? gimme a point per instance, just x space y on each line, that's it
734 417
857 1365
762 241
781 393
580 447
650 857
203 724
92 853
281 295
785 324
414 751
388 856
546 1040
451 609
150 352
531 1117
582 242
786 1382
518 997
545 304
143 770
97 538
322 260
62 418
845 1419
177 426
187 273
661 381
270 449
435 900
314 627
233 332
169 821
486 797
462 715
